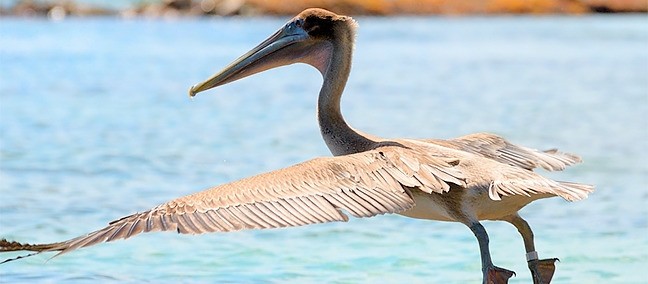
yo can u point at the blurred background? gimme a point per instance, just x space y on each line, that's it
175 8
95 124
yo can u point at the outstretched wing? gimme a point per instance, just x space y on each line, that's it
497 148
363 184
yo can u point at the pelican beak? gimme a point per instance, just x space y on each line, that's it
284 47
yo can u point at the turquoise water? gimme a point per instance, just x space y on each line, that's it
95 124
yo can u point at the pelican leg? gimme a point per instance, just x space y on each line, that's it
492 273
542 270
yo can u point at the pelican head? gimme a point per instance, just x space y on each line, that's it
309 38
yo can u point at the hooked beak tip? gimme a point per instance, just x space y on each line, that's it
192 91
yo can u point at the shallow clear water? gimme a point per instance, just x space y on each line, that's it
95 124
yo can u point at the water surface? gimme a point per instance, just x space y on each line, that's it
95 124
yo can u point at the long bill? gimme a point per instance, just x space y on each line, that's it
286 46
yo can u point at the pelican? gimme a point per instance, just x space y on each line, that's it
468 179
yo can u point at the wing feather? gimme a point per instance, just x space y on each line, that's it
316 191
497 148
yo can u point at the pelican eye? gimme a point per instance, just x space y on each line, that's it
292 26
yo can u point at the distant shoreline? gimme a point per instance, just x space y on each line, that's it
60 9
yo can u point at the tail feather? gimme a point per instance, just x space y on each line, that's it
578 191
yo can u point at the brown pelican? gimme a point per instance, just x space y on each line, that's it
467 179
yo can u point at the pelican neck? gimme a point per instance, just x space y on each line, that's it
339 137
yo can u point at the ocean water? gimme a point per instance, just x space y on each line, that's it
95 124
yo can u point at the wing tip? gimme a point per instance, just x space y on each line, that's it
13 246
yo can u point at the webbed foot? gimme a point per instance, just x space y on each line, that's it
542 270
497 275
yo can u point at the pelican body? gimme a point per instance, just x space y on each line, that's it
466 179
